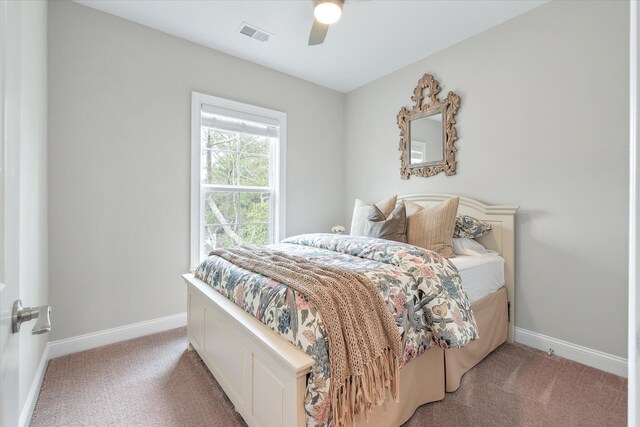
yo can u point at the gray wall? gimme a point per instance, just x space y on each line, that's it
33 266
119 161
543 124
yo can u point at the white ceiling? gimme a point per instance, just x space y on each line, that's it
372 39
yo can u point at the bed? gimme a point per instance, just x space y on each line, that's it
483 279
265 376
494 309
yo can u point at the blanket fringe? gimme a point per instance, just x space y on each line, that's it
360 393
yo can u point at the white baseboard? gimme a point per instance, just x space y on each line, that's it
34 390
110 336
587 356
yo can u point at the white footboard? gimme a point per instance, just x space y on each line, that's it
263 374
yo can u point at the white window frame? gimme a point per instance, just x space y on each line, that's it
277 170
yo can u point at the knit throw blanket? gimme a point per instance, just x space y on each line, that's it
364 342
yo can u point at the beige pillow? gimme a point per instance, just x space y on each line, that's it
432 227
361 212
391 227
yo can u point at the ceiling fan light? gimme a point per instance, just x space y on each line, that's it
327 12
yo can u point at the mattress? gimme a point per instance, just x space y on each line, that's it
480 276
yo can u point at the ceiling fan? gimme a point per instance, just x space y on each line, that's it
326 12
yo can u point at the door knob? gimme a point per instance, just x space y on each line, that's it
24 314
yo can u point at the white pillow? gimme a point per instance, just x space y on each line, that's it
466 246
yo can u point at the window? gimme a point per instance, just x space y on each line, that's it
237 177
418 151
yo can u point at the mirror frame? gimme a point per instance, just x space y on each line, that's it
448 107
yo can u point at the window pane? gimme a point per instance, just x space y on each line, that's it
232 158
236 218
215 236
255 207
254 144
218 139
221 207
255 234
219 158
254 170
219 167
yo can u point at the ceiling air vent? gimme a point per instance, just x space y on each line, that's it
253 32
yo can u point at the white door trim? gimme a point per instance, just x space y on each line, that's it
34 391
10 82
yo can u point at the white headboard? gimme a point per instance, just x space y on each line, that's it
500 239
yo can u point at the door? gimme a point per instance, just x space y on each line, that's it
9 206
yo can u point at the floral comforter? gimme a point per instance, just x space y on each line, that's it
422 290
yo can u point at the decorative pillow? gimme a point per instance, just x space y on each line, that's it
432 227
361 212
392 227
470 247
470 227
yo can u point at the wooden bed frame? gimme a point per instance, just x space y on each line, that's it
262 373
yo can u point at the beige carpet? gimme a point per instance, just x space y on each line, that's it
154 381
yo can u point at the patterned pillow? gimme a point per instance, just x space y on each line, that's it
470 227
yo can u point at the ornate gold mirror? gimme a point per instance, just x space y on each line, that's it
427 132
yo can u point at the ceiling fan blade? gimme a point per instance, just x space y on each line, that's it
318 33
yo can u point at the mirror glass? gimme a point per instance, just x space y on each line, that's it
426 136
